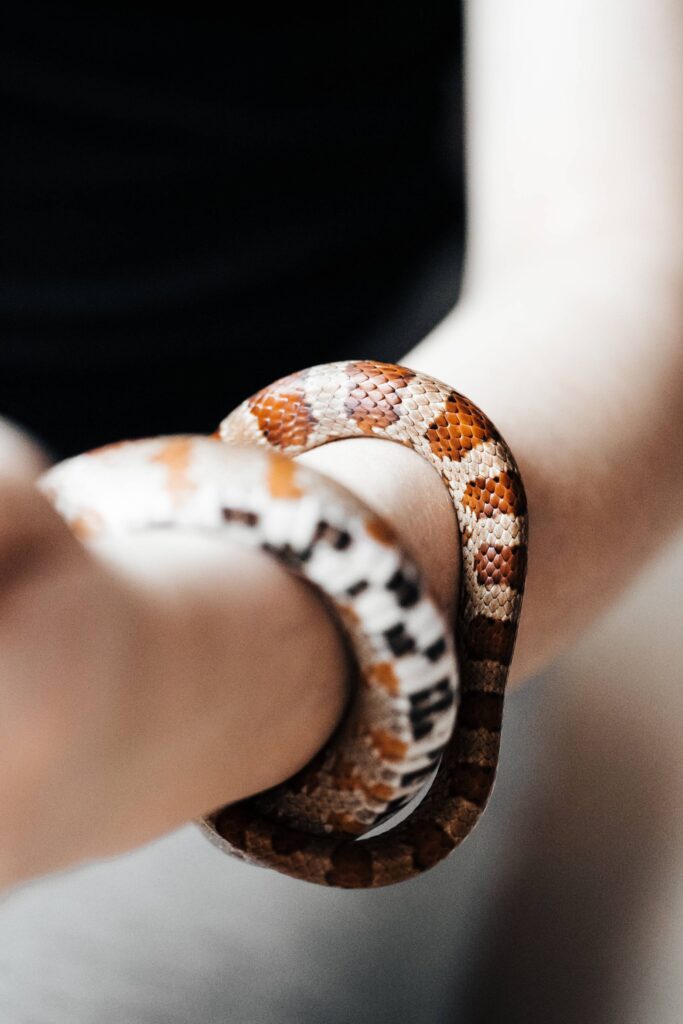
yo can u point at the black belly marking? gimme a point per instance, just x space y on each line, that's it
443 686
238 515
339 539
399 641
435 650
406 590
427 704
286 554
420 713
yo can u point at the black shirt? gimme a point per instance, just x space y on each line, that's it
193 204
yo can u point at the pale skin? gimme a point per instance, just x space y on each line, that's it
141 687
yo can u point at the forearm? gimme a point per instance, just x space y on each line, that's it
570 328
243 676
579 364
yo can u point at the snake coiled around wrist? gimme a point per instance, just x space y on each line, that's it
374 399
411 718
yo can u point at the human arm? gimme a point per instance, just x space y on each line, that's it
569 333
570 330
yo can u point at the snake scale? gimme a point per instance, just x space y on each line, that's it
412 718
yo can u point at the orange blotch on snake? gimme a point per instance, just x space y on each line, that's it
501 564
458 429
282 478
382 674
390 747
176 456
347 779
398 376
283 416
501 493
380 531
374 401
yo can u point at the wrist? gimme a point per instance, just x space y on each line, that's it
261 667
406 491
244 672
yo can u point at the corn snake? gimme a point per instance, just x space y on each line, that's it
307 828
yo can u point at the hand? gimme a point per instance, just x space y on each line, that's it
141 687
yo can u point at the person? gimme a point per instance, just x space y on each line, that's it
140 685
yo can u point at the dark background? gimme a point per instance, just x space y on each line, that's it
194 204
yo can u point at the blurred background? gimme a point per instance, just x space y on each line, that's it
197 200
153 204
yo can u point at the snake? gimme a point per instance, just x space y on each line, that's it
426 715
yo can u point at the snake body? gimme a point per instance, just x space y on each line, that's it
402 726
369 398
